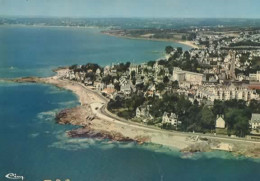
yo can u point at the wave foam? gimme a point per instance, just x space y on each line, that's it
48 115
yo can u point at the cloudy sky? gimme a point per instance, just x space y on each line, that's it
132 8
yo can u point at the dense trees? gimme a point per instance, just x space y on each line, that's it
183 60
72 67
91 75
166 80
201 118
160 86
90 66
254 106
236 114
126 107
107 79
245 43
122 67
84 68
237 121
117 86
207 118
192 116
168 49
150 63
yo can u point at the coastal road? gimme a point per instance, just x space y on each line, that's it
103 113
99 107
99 103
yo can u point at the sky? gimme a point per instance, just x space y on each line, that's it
132 8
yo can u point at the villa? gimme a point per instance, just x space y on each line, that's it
220 122
255 121
170 118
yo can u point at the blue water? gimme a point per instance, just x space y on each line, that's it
32 145
27 51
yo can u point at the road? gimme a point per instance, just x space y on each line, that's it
103 113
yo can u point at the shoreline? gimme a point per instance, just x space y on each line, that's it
187 43
97 122
49 26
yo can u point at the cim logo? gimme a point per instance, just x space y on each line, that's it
13 176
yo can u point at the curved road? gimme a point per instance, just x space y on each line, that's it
103 112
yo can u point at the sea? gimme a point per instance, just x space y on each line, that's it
32 145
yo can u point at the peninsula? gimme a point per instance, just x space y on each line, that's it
97 122
203 99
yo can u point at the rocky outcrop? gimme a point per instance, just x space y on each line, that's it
87 132
80 116
75 116
29 79
198 147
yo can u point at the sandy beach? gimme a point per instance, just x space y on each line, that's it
188 43
92 114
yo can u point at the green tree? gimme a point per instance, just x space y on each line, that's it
237 121
168 49
90 66
107 79
175 84
254 106
207 118
133 74
241 126
186 55
218 107
160 87
117 86
90 75
179 50
150 63
166 79
73 67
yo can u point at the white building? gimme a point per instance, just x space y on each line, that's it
98 71
100 86
220 122
170 118
107 70
192 77
70 75
143 112
212 92
255 121
134 68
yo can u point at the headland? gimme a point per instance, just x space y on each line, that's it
96 121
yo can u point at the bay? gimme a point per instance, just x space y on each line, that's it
35 51
34 146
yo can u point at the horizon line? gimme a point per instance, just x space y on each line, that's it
118 17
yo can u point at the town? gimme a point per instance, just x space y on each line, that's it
211 89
